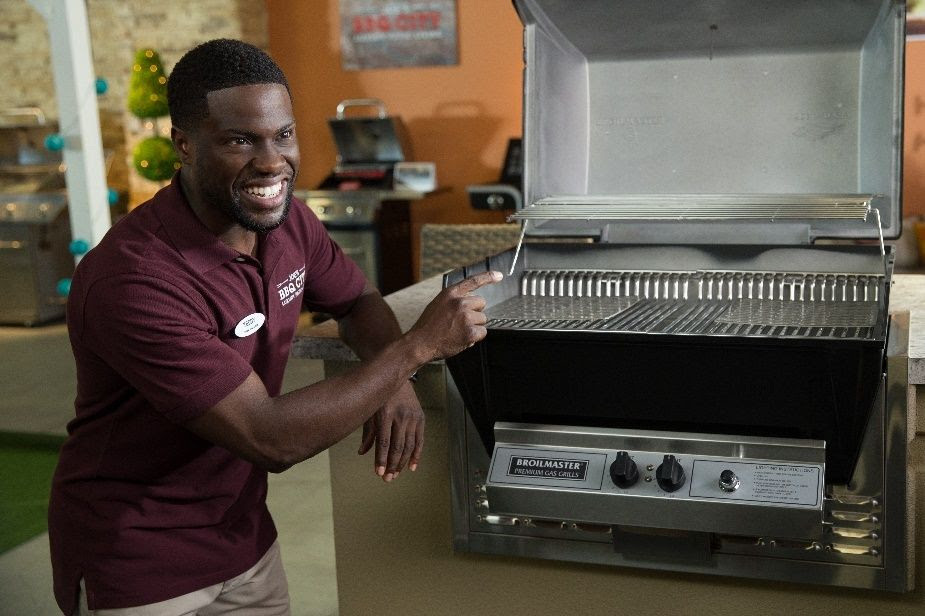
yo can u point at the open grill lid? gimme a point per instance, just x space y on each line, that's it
684 101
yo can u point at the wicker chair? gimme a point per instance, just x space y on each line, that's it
444 247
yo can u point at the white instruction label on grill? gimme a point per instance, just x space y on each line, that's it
795 485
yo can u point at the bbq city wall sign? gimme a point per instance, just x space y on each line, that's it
395 33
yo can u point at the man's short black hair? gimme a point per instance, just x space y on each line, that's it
215 65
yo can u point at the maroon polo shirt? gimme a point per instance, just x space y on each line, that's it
141 508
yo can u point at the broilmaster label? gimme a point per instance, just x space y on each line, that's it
548 468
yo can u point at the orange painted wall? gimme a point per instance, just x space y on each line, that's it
459 117
914 131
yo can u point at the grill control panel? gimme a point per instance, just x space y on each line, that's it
681 489
658 474
737 485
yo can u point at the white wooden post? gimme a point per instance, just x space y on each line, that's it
78 117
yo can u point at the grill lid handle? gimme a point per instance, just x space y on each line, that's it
35 114
362 102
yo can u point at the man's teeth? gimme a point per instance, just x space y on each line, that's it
267 192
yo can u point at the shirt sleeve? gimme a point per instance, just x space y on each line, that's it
163 342
333 282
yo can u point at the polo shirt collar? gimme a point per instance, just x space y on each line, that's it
199 246
270 249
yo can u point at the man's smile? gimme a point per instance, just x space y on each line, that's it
265 192
263 196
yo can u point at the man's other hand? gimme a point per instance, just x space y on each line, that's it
397 429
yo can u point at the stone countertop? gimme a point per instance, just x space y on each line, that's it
322 342
397 194
908 295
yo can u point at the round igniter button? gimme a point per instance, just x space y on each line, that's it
728 482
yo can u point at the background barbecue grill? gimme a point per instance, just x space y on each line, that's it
359 203
34 226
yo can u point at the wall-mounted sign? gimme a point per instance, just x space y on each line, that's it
915 18
391 33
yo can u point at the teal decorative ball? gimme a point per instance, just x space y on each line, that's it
54 142
78 247
63 287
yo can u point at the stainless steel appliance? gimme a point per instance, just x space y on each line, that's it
505 194
34 225
705 388
350 219
358 202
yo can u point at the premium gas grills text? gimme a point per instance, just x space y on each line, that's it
548 468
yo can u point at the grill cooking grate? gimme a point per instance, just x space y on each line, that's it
774 304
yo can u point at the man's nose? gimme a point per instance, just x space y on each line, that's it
269 159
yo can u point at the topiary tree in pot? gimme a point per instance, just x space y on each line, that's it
153 157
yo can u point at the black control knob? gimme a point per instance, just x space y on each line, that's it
623 471
670 474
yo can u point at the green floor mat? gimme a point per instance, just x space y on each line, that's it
27 462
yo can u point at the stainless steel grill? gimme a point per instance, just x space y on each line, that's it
705 366
34 225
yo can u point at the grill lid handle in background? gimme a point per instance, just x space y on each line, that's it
36 116
362 102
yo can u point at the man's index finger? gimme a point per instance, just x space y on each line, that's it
479 280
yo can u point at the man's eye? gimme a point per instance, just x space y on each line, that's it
286 134
238 141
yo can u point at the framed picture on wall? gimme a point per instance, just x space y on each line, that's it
915 19
394 33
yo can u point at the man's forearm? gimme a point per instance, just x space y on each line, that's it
370 326
311 419
277 432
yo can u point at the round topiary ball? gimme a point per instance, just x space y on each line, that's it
155 159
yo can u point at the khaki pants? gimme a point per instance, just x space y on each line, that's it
262 590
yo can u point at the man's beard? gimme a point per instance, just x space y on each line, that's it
234 210
231 206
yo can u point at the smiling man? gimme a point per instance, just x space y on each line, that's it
181 322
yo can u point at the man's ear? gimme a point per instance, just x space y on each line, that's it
182 144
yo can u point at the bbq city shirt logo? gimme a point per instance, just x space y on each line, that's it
292 287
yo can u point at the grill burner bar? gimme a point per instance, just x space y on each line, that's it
765 304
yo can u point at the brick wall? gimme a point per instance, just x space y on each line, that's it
117 29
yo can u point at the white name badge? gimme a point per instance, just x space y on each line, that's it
249 324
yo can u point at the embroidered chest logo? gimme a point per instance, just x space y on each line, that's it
292 286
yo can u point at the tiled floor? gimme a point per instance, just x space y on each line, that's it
36 395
